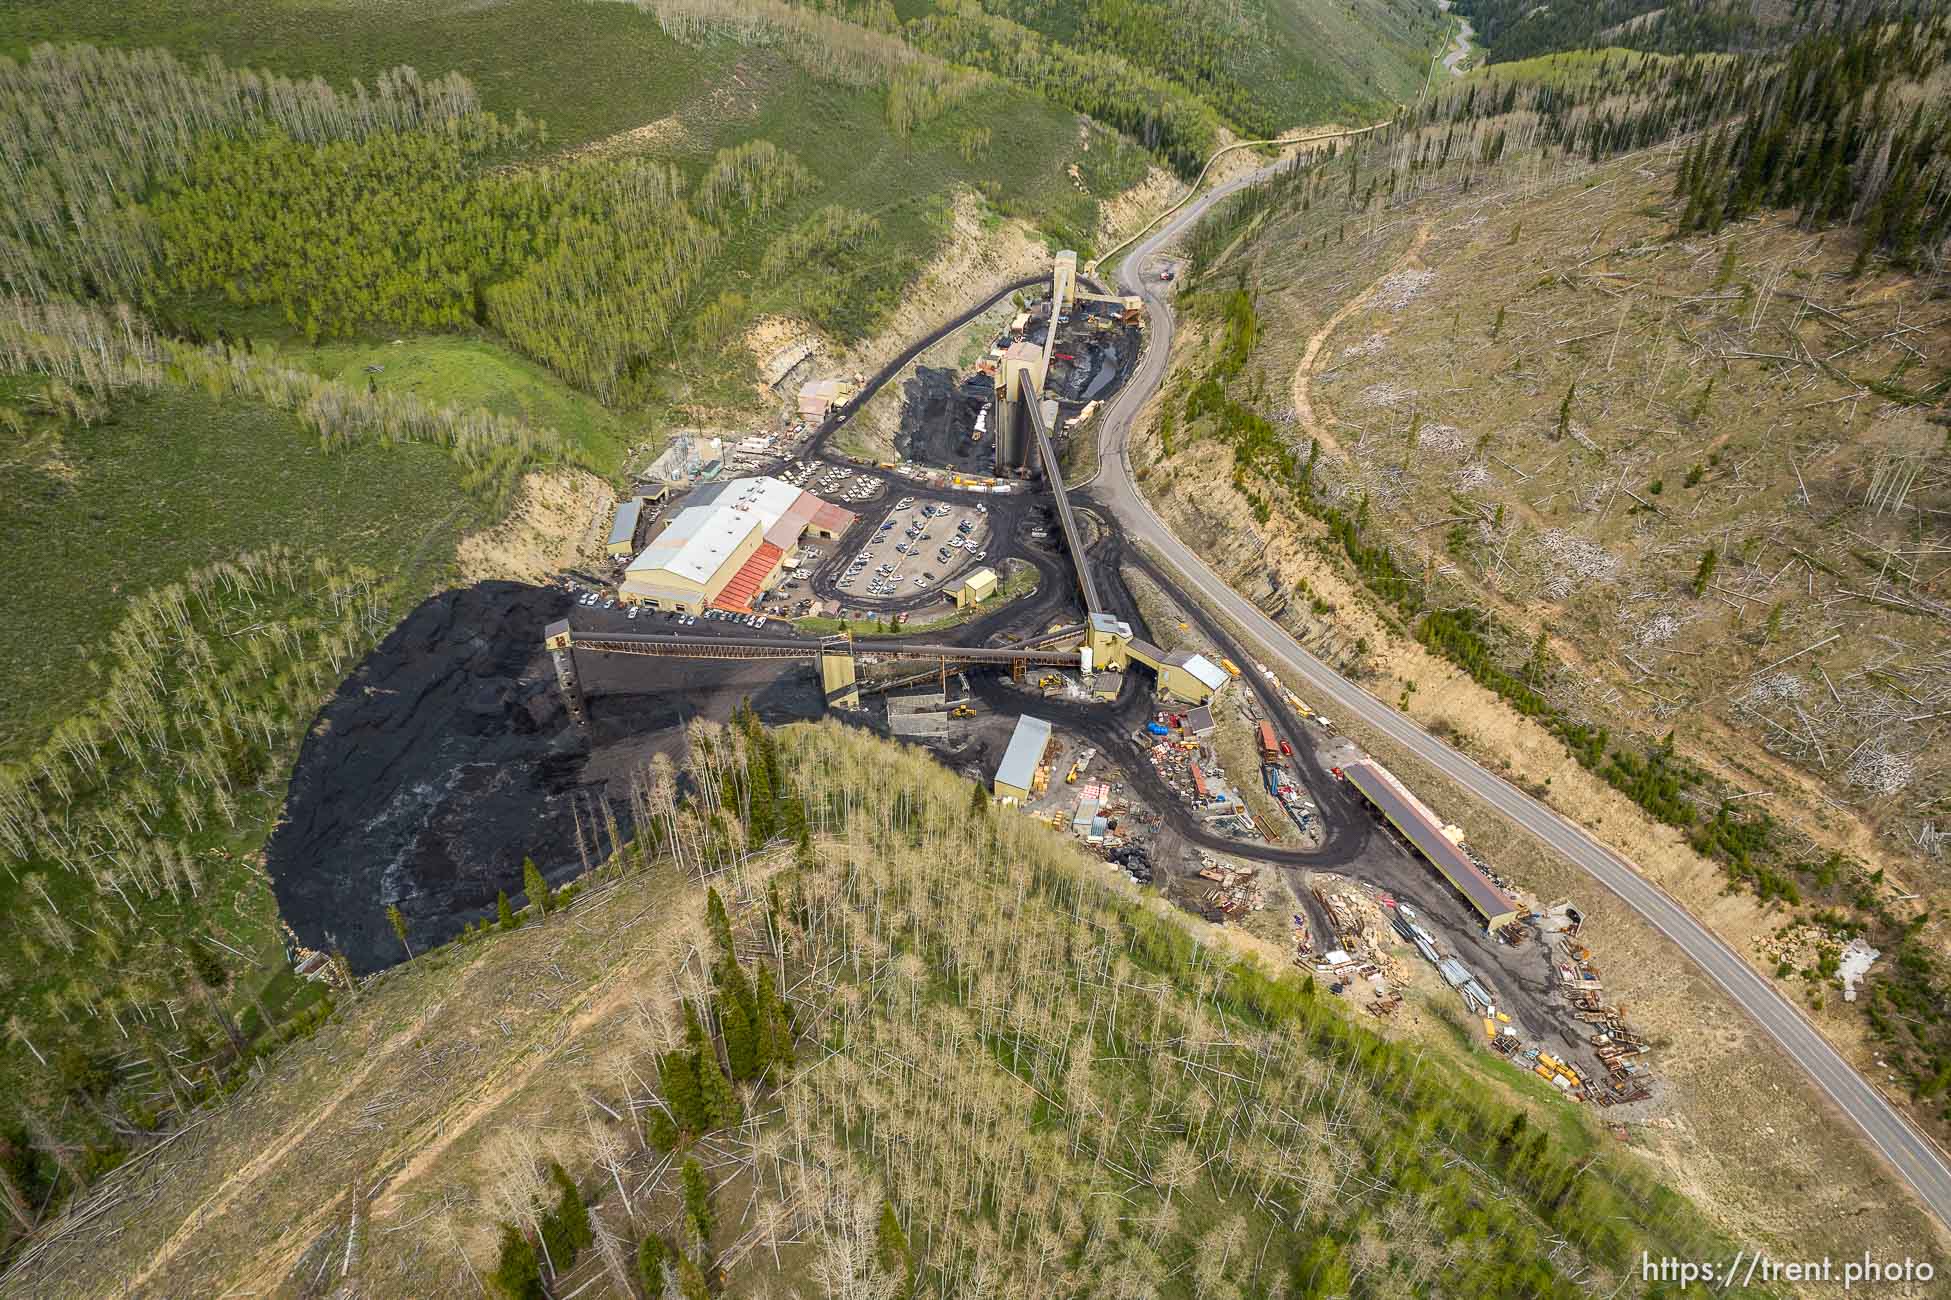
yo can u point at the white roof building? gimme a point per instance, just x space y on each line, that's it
704 535
728 540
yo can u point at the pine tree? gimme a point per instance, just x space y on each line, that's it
565 1229
1565 410
518 1268
677 1076
536 887
891 1249
698 1217
1535 668
738 1019
721 1105
978 799
721 924
504 912
398 921
1709 560
775 1027
741 1039
653 1258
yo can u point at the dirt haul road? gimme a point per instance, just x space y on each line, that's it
1913 1155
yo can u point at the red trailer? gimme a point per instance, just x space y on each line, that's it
1269 746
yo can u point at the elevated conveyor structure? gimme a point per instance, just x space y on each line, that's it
838 657
1066 517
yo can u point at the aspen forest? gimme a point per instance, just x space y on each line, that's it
125 837
862 1035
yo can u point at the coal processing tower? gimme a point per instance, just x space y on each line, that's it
1025 364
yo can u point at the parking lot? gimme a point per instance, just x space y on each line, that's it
915 550
839 484
601 612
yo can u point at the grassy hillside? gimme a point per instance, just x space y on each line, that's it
1646 496
582 68
994 1065
1518 29
467 372
96 514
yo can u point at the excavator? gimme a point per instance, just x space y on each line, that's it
961 711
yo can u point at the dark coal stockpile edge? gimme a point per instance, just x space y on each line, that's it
443 760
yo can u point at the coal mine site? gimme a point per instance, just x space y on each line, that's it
447 757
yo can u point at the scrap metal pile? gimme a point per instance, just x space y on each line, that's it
1236 888
1192 771
1615 1042
1497 1026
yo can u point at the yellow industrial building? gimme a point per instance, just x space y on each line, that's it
623 531
979 586
1181 674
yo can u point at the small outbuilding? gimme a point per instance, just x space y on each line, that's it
623 531
979 586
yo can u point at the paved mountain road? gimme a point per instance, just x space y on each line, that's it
1914 1156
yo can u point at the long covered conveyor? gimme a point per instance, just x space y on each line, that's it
1066 517
837 656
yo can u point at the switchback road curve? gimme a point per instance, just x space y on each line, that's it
1913 1154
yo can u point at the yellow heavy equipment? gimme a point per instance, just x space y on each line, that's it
1050 682
961 711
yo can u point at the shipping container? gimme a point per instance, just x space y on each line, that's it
1269 747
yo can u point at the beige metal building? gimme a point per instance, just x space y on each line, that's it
979 586
1190 677
1016 775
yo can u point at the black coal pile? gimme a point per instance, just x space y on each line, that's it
938 420
440 763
